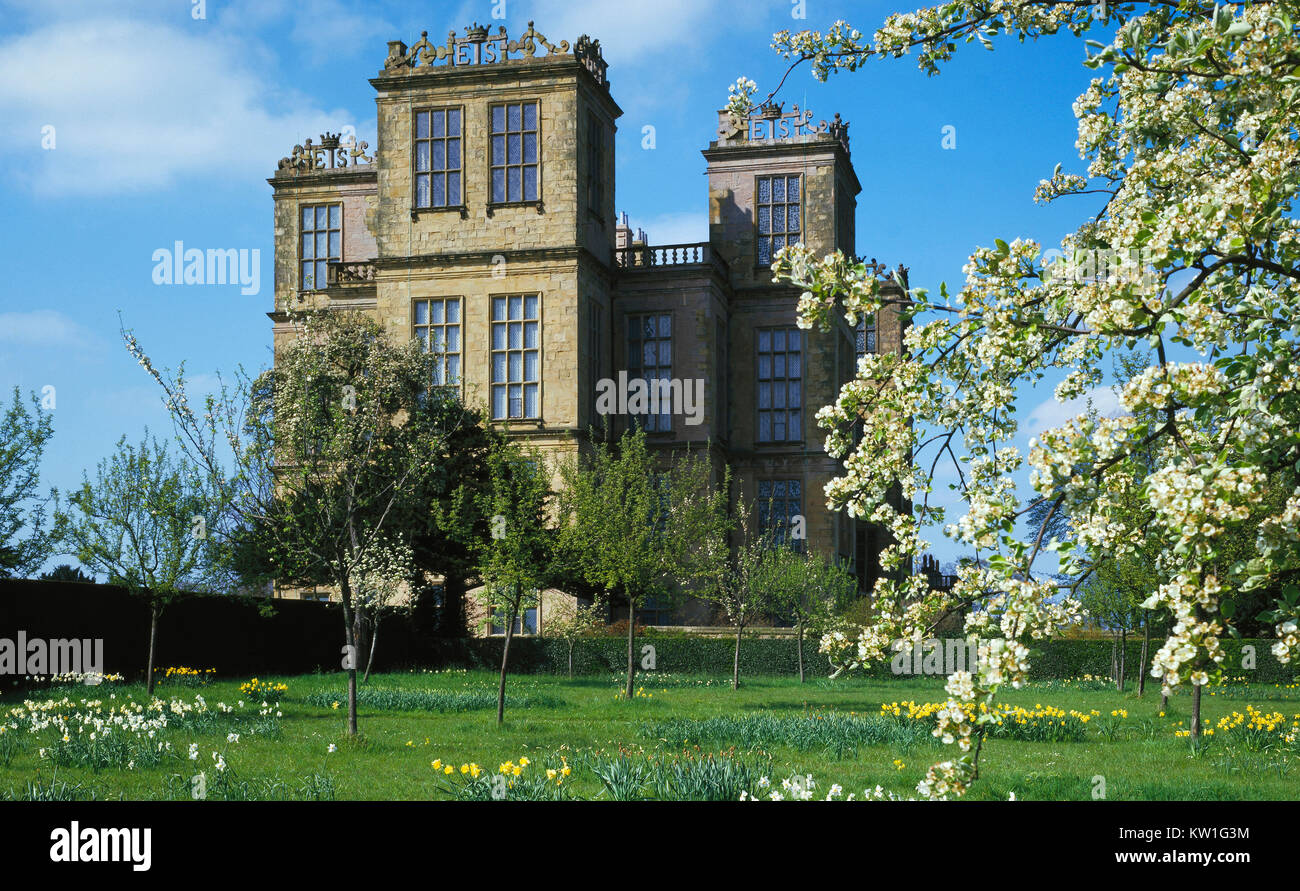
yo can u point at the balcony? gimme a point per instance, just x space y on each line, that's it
350 274
644 256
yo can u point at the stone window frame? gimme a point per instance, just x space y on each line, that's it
522 351
429 325
770 204
492 203
662 422
416 208
784 379
315 260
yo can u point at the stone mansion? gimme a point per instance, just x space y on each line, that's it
484 223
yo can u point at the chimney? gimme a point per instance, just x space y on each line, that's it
622 233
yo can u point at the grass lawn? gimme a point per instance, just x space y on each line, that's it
777 727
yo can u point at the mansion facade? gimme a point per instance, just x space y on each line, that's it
484 224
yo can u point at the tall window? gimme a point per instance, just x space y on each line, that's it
720 379
780 379
866 335
594 316
595 157
437 327
650 357
779 218
438 165
514 152
516 356
321 242
779 503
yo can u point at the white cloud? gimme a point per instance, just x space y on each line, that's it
1050 413
629 33
45 328
136 105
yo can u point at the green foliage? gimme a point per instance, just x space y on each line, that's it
25 542
838 733
142 522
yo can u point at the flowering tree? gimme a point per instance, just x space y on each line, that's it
316 459
1190 144
384 577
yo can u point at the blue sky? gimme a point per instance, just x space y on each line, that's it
167 126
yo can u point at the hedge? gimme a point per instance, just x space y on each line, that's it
231 635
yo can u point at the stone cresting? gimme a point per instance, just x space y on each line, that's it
771 121
480 47
330 154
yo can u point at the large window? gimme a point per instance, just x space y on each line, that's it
595 161
594 342
321 242
514 152
720 379
650 357
437 327
438 166
516 356
780 379
780 221
779 503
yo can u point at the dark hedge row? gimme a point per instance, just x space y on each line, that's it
231 635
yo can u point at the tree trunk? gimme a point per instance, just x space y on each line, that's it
505 658
735 659
1123 654
153 639
350 656
374 638
1142 660
1114 659
1196 713
631 644
1164 700
799 647
571 660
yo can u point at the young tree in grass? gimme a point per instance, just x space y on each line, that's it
25 543
634 528
571 625
738 584
514 559
317 458
142 522
806 589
